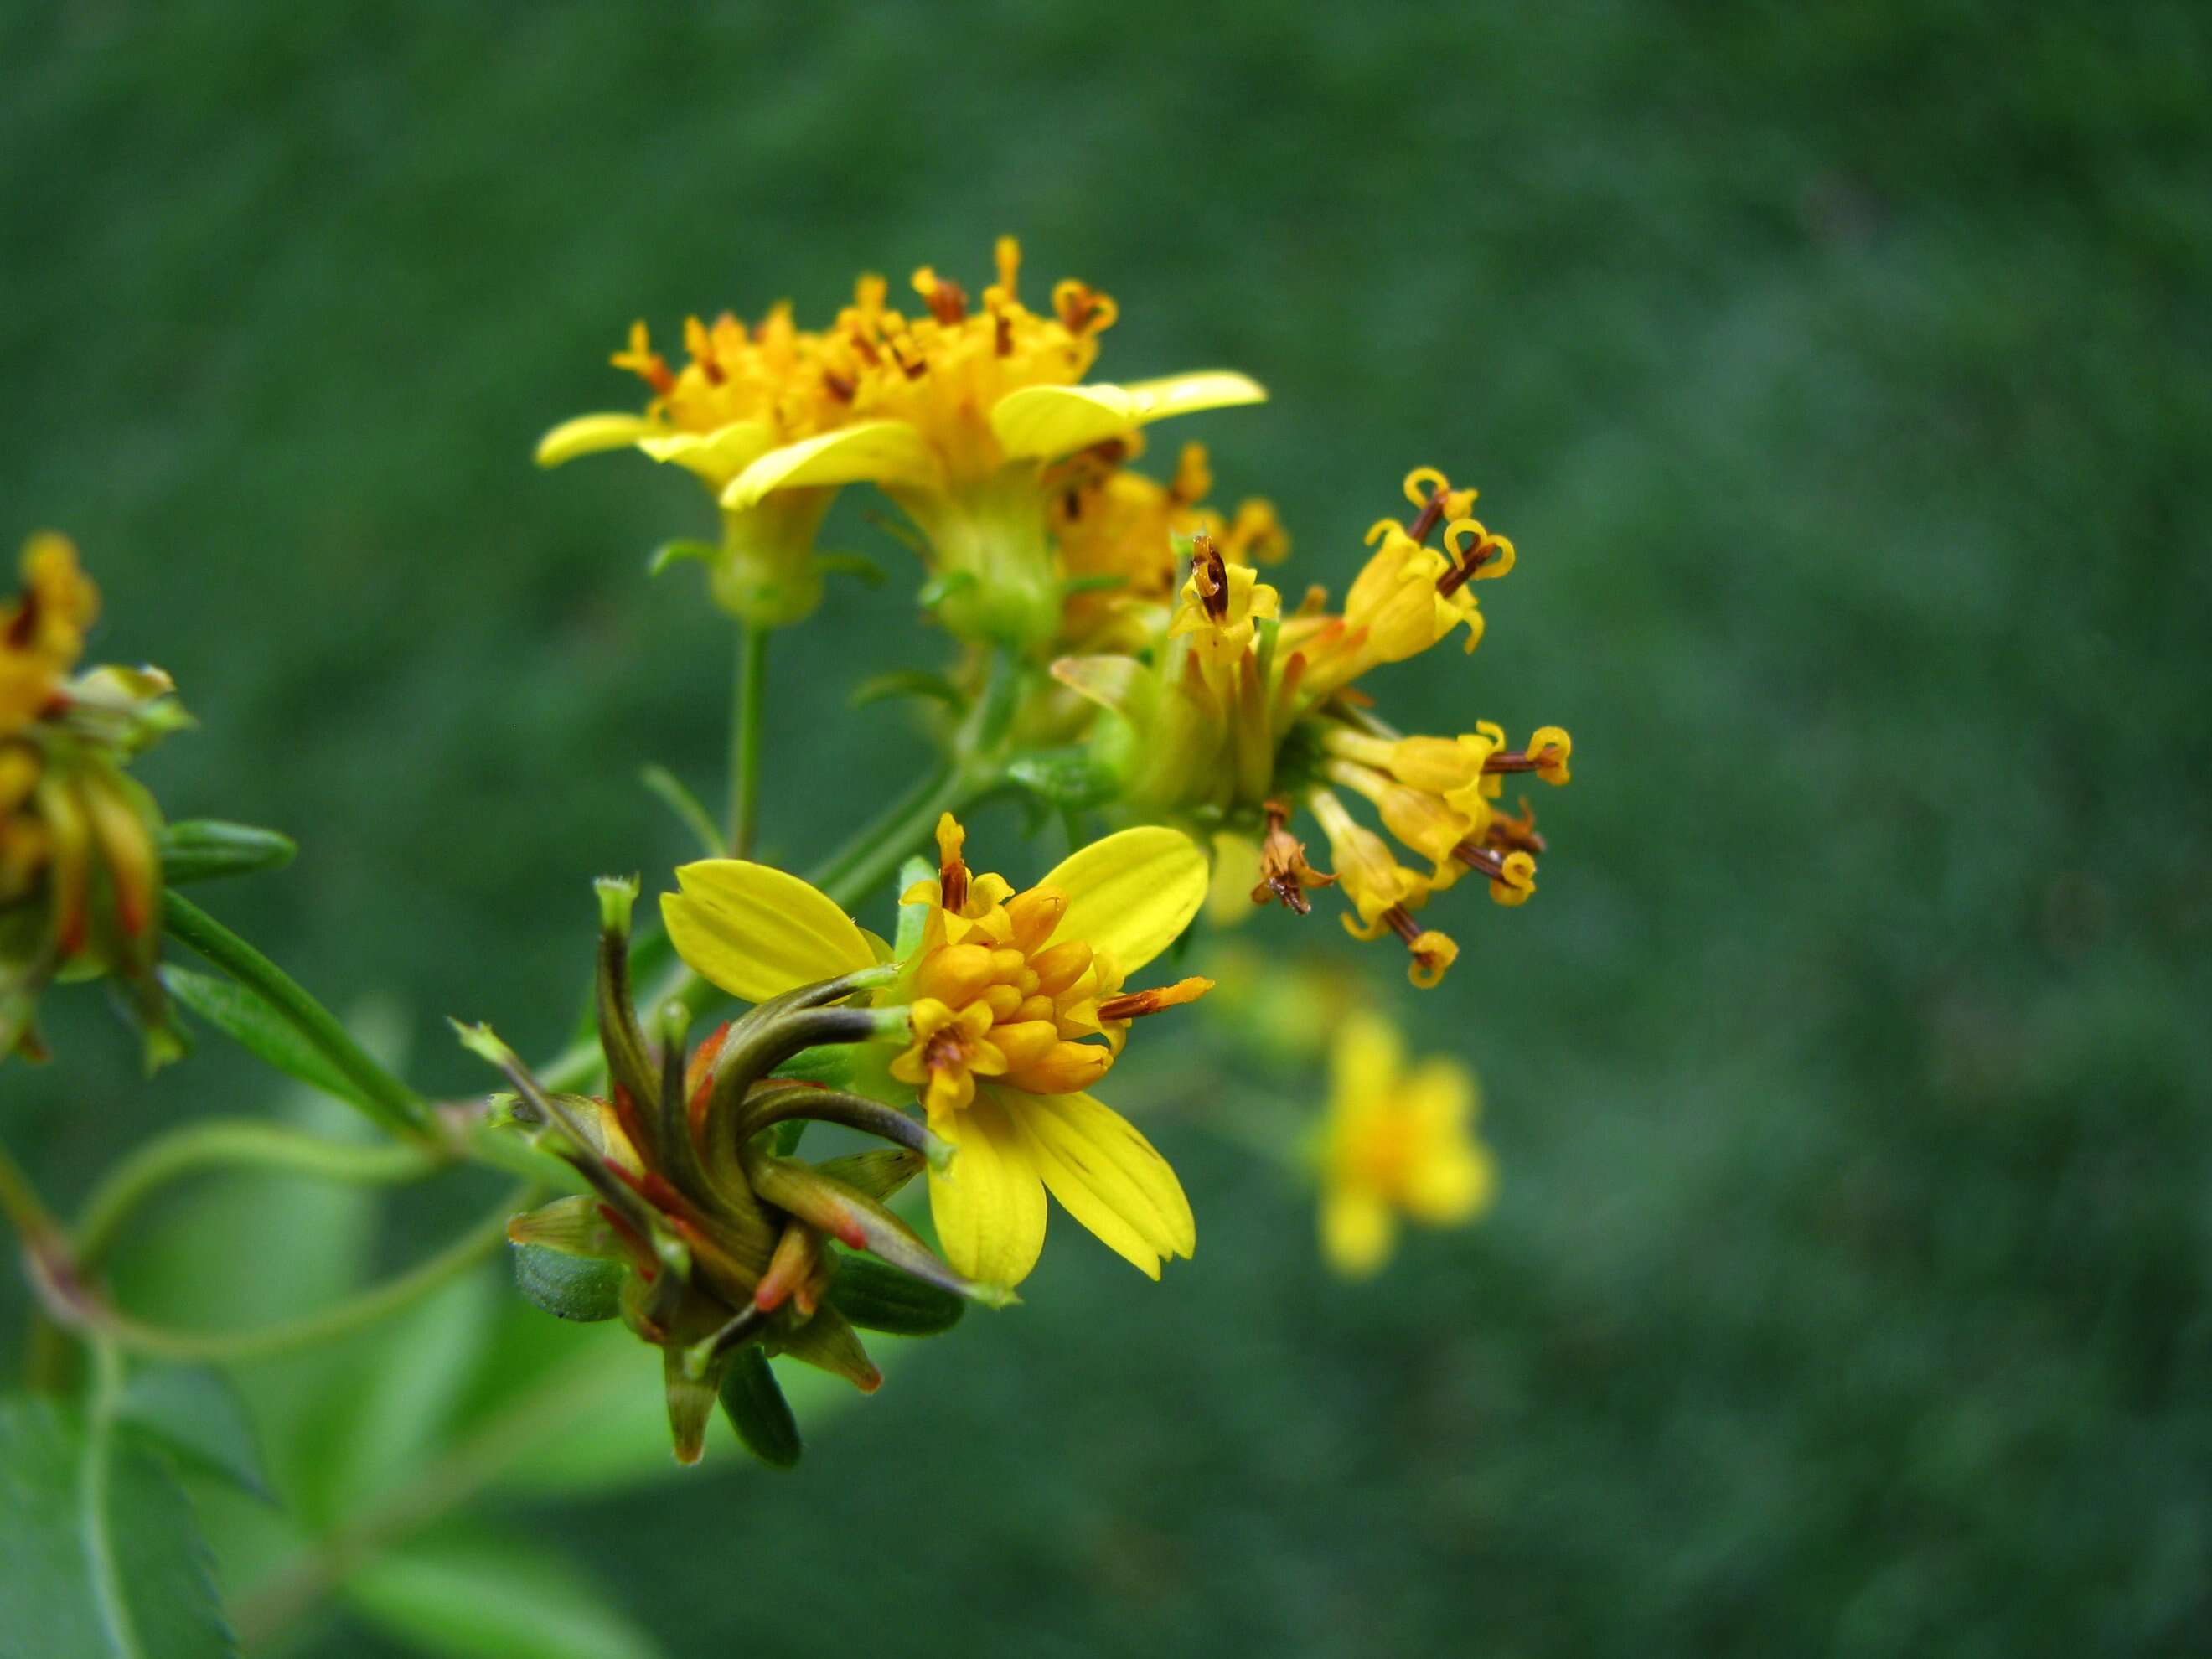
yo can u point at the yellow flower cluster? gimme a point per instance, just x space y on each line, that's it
1240 709
952 410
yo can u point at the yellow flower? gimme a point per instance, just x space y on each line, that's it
1232 712
952 413
42 634
1397 1142
1014 1007
1220 604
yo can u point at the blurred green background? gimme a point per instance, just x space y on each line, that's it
1841 374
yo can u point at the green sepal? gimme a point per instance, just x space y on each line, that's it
877 1297
583 1288
788 1135
207 849
1067 778
912 918
753 1401
857 565
677 552
905 683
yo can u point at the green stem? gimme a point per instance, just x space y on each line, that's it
954 792
746 721
102 1323
383 1097
238 1143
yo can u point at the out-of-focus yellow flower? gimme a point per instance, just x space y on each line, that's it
1015 1007
80 872
1399 1141
42 634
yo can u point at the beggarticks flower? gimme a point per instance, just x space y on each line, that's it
80 872
1234 711
1007 1007
952 411
1397 1142
698 1228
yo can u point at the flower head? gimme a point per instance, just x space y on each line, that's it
1237 709
1398 1141
1010 1005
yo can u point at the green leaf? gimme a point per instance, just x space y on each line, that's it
876 1297
259 1029
579 1287
207 849
463 1596
757 1410
195 1416
100 1555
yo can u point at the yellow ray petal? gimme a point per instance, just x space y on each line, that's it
718 456
1109 1178
1045 421
989 1206
879 452
758 932
588 435
1132 893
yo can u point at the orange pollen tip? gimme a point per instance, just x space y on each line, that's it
948 303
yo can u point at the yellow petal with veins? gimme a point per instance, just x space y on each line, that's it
1045 421
988 1205
1131 894
758 931
874 452
1109 1177
588 435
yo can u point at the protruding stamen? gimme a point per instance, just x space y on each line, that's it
951 869
1211 571
1134 1003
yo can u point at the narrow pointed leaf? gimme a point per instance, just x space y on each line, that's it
878 1298
754 1403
